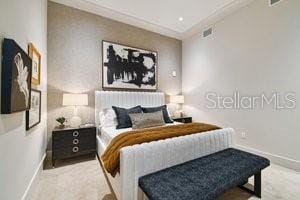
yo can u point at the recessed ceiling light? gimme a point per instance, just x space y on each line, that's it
180 19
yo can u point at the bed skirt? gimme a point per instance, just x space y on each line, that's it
139 160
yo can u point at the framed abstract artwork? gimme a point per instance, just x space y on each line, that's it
36 64
33 115
126 67
16 78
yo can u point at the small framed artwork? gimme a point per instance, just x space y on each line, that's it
16 78
33 116
36 64
126 67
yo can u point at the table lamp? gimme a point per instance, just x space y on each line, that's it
75 100
177 99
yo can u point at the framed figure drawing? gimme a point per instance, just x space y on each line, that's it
36 64
126 67
16 78
33 116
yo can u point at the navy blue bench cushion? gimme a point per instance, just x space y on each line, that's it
203 178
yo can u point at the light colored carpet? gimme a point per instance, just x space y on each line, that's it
83 180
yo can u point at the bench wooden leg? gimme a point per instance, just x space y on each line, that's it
257 186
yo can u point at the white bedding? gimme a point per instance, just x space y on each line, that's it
106 134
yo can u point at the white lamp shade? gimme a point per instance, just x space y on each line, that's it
75 100
177 99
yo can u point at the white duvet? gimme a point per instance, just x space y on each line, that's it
108 133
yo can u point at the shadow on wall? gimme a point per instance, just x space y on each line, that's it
11 122
195 104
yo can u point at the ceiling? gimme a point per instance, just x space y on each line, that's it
161 16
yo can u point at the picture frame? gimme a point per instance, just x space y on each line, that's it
35 55
33 115
16 78
128 68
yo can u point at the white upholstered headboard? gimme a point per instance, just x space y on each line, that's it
107 99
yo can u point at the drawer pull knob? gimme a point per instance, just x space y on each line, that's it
75 149
75 133
75 141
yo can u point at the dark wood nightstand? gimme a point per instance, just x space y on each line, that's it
71 142
183 119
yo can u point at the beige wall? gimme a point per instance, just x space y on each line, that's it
21 151
254 50
75 56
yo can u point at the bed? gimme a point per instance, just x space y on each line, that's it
139 160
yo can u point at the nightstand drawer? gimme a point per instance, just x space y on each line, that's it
74 150
71 134
70 141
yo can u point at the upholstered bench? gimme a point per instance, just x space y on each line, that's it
206 177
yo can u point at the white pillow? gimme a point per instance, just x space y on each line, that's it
108 117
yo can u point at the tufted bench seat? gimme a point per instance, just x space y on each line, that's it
206 177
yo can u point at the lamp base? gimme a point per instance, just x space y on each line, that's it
178 113
75 121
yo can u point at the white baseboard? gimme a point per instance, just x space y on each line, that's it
34 179
276 159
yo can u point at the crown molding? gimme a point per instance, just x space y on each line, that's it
89 6
215 17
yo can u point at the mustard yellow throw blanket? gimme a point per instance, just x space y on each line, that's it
111 157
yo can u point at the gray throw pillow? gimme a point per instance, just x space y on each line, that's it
147 120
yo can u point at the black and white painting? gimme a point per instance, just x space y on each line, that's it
127 67
33 116
16 78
